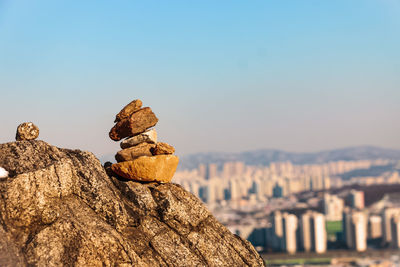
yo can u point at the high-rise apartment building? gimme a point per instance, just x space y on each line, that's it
234 189
319 233
387 215
277 231
359 230
357 199
355 229
333 207
212 171
375 227
277 191
289 233
395 225
202 171
313 232
305 231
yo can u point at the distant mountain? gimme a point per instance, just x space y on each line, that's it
266 156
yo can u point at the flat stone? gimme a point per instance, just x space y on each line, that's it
27 131
137 123
127 111
143 149
163 149
146 137
159 168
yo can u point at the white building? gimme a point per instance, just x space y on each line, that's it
333 207
387 215
355 229
395 225
289 233
313 232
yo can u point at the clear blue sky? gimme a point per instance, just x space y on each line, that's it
220 75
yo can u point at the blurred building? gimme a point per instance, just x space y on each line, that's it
289 233
277 231
357 199
312 232
387 215
234 189
333 207
212 171
355 229
305 231
395 225
374 227
202 171
277 191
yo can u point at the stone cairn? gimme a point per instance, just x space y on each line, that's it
142 158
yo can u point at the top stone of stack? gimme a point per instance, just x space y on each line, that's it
132 120
135 105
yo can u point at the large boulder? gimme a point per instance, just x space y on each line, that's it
58 207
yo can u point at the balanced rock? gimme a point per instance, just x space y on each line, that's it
163 149
27 131
143 149
159 168
146 137
132 107
136 123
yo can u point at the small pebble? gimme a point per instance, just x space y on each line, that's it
27 131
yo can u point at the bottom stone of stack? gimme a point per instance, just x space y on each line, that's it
159 168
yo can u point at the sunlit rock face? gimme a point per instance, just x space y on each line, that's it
58 207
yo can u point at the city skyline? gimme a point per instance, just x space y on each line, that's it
221 76
305 211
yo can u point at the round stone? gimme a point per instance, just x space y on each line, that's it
27 131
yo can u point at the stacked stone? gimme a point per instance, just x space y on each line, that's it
142 158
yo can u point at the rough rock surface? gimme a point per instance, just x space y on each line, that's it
58 207
163 149
127 111
148 137
143 149
159 168
27 131
137 123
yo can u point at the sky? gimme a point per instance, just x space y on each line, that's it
225 76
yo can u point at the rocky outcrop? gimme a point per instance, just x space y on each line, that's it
58 207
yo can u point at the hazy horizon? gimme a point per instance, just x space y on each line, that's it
225 76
